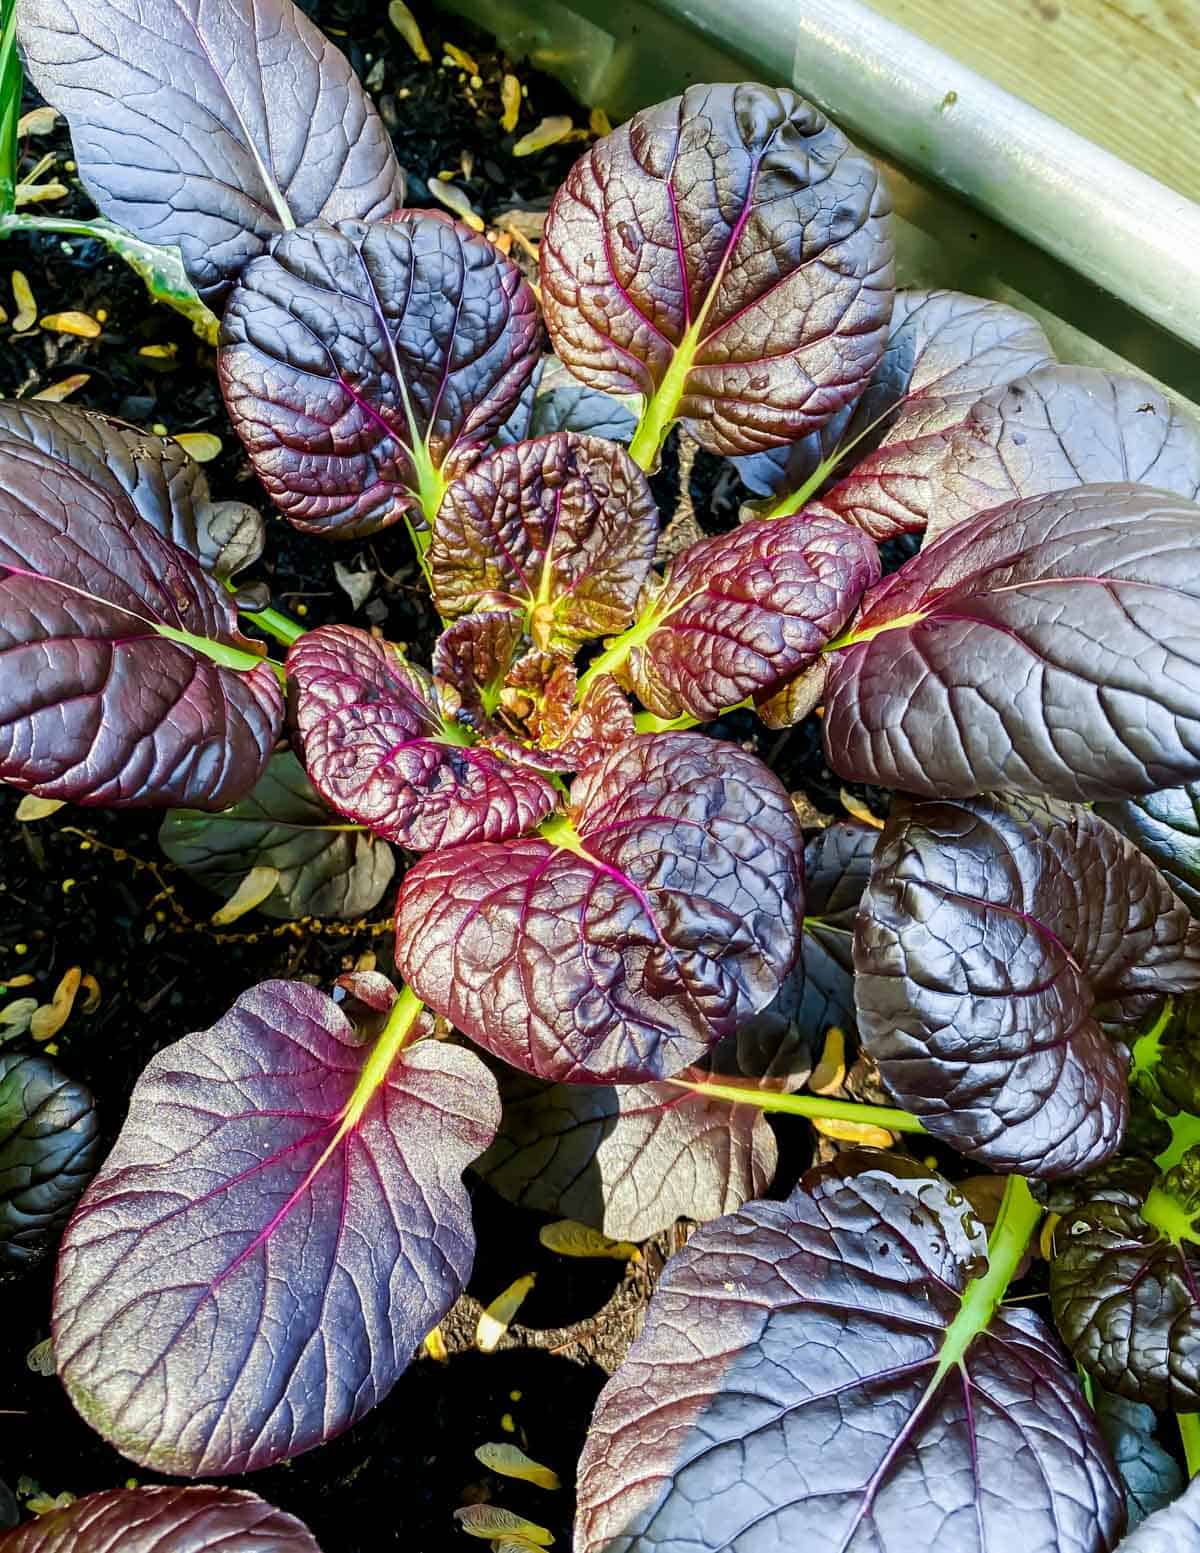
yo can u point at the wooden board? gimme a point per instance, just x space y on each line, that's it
1125 73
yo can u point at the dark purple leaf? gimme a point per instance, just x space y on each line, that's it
563 528
1047 647
49 1146
628 1160
786 1393
991 932
166 487
472 657
1173 1530
728 255
364 365
623 943
1124 1288
378 749
162 1519
742 613
779 470
1058 428
1166 826
556 401
210 125
112 686
279 1224
326 868
1150 1475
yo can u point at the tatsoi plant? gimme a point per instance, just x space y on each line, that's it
623 912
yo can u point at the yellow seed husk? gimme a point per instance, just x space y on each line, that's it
159 352
510 101
81 324
251 892
570 1238
15 1017
510 1461
599 122
450 195
855 807
493 1524
495 1320
461 58
865 1133
39 121
435 1345
203 446
548 133
50 1018
405 23
33 808
91 994
64 388
26 314
830 1073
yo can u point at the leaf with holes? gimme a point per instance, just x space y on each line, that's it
326 867
379 750
991 933
562 528
364 365
743 613
49 1146
280 1222
210 126
628 1160
162 1519
1046 647
622 943
727 255
810 1375
1058 428
125 680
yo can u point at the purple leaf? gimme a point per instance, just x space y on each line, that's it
473 655
778 470
563 528
743 613
1058 428
163 1519
628 1160
210 125
325 869
49 1146
364 365
1166 827
556 401
166 487
990 934
1150 1476
123 677
1047 647
787 1393
378 749
728 255
633 937
281 1221
1176 1529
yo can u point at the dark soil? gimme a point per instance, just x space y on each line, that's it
90 889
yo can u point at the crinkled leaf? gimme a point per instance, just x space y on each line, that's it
991 932
623 944
162 1519
1166 826
1151 1477
353 357
778 470
473 655
377 748
563 528
1058 428
211 125
110 692
1175 1529
728 254
278 1226
49 1145
555 401
742 613
786 1393
326 868
1047 647
629 1159
573 736
1124 1292
166 487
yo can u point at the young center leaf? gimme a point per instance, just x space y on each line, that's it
211 125
327 868
125 678
1166 826
379 750
163 1519
280 1222
728 256
1061 427
835 1371
993 937
364 364
1046 647
562 528
49 1146
167 488
742 613
623 942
